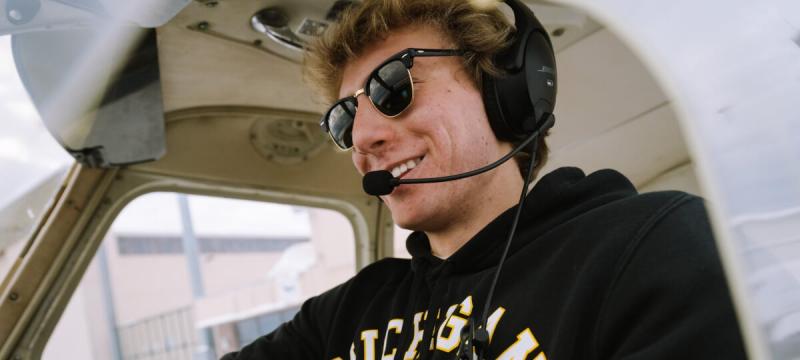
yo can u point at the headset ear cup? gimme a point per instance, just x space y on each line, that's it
518 102
491 104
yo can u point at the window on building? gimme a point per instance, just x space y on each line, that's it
170 245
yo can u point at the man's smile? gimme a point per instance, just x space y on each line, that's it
402 168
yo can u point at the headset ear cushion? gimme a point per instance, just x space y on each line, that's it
493 111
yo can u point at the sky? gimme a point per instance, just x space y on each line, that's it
27 151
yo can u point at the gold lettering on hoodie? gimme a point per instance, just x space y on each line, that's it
418 332
493 320
369 337
454 325
520 349
397 326
447 336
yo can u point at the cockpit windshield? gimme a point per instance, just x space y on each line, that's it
32 163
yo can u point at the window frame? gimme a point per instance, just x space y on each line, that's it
70 234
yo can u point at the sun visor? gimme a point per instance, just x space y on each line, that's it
34 15
102 103
91 69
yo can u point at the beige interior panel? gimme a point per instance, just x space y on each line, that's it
215 144
198 69
681 178
641 149
601 85
223 66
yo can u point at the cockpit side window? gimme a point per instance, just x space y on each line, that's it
184 275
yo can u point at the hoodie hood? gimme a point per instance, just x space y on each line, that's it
556 198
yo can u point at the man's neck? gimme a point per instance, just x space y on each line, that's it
491 204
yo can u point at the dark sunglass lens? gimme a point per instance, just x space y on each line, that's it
389 88
340 123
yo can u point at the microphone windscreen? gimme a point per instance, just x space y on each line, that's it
378 183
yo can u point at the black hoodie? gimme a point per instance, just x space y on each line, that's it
596 271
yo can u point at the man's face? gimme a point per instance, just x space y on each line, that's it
445 131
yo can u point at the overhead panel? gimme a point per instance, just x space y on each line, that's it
257 147
212 55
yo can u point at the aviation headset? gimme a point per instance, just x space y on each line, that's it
521 100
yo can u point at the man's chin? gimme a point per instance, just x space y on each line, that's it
408 221
405 224
415 211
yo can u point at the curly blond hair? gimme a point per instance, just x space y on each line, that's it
480 29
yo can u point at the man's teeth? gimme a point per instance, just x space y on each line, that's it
404 167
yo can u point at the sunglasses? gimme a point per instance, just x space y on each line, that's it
389 88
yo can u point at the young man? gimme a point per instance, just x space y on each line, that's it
596 270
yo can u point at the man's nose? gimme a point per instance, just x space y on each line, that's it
372 131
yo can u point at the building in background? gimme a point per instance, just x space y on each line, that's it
257 263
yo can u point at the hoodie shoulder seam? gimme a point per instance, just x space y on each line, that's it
631 249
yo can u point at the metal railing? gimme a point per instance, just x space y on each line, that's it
170 335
